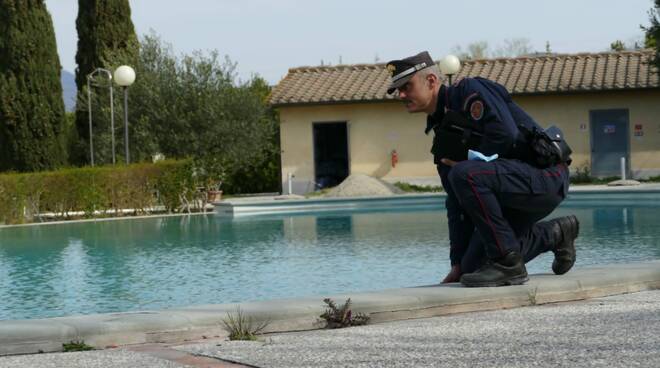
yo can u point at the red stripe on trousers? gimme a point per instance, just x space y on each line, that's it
483 208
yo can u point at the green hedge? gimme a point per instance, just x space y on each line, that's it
98 191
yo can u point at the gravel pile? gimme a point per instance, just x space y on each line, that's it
361 185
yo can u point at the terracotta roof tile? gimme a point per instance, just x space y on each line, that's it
523 75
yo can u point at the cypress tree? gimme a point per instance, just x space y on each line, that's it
652 39
105 36
32 121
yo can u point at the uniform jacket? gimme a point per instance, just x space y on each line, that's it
489 107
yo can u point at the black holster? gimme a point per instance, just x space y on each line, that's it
548 146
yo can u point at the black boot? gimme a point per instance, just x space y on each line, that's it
507 270
565 230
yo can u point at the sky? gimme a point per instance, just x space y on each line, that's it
268 37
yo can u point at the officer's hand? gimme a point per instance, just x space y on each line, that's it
448 162
454 275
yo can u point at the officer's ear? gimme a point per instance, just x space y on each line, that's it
432 80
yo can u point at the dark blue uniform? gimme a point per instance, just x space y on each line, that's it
495 207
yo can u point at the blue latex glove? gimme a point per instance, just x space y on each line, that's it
478 156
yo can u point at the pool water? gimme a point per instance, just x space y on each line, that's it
158 263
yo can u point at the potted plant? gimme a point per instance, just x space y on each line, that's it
213 192
210 173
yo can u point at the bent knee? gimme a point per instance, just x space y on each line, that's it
475 172
460 172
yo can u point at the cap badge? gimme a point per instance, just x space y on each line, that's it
391 69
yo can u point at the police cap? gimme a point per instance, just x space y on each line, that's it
402 70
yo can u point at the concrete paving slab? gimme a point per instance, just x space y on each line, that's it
117 358
48 335
181 357
142 356
620 331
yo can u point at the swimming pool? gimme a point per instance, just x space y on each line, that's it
156 263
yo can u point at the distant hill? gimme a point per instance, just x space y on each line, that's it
69 90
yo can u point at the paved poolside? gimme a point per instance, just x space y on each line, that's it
616 331
194 322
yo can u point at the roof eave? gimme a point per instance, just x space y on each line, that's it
585 91
335 102
388 100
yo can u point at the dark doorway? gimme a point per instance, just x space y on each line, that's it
330 154
609 141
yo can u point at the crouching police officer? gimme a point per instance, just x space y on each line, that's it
502 174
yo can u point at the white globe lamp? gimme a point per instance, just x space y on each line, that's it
450 65
124 77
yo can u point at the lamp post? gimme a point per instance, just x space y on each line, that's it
450 65
89 109
124 77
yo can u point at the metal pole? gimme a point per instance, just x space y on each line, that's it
289 178
112 122
89 108
128 159
623 168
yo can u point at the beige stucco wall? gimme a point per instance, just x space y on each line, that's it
570 111
375 129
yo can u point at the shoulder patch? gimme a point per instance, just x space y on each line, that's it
468 100
476 110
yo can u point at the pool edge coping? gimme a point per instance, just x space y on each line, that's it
266 202
272 206
297 314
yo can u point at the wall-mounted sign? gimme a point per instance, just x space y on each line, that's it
609 129
639 130
583 127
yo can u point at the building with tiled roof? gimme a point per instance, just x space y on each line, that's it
584 94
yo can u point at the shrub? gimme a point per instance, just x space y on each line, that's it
78 345
242 327
176 185
652 179
582 175
407 187
342 316
11 199
96 191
